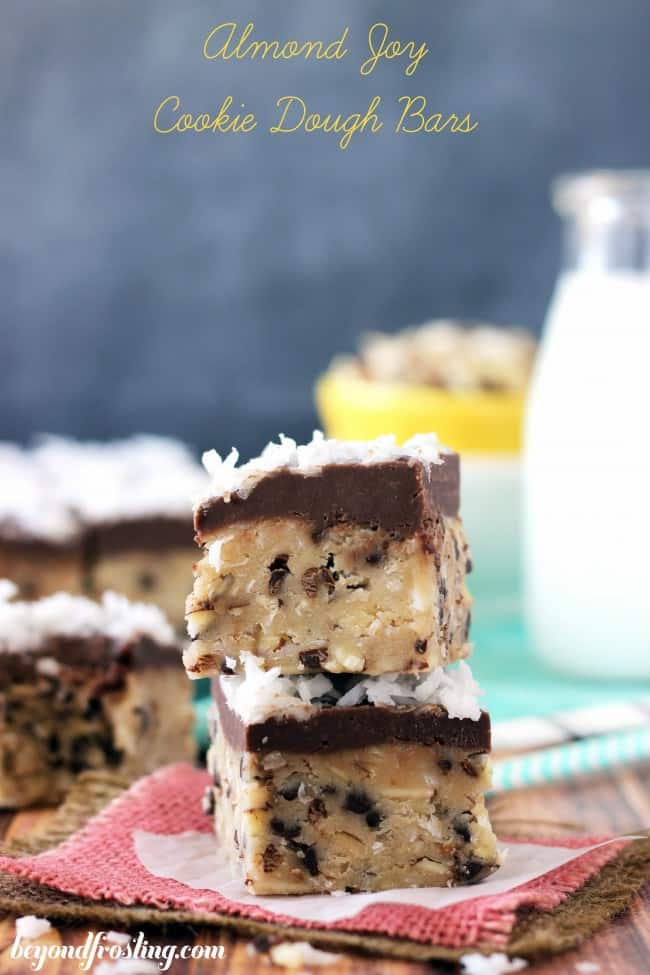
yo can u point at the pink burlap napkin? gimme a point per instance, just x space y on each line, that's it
100 862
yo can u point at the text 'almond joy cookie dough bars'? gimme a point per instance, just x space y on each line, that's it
327 606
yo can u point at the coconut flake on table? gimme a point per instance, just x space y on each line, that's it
473 963
226 478
118 938
30 927
295 955
127 966
257 693
26 625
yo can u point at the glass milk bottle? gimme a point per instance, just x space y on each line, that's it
587 439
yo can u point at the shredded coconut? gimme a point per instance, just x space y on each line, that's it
30 927
8 590
142 476
587 967
29 508
258 693
25 625
54 489
498 964
296 954
226 477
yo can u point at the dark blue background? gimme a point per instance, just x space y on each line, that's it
196 285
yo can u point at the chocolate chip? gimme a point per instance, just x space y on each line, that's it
279 569
113 680
376 557
289 790
468 624
421 646
358 802
270 858
373 819
469 565
460 826
279 562
442 589
329 790
313 658
445 765
307 854
78 761
288 830
473 870
54 743
329 579
317 810
208 801
469 768
93 709
225 669
143 718
147 581
310 581
114 755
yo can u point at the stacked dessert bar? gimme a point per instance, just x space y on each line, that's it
90 517
86 685
329 601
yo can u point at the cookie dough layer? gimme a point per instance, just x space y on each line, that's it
40 569
351 599
58 718
374 818
160 577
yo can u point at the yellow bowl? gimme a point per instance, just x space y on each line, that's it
477 422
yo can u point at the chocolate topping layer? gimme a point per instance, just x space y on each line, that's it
335 728
90 658
399 496
145 534
135 534
28 547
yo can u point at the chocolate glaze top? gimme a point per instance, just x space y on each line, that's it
90 658
401 496
154 534
142 534
336 728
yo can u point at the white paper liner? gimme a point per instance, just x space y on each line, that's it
194 859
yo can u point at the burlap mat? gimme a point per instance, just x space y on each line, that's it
535 933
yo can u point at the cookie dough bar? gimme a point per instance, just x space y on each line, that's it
352 568
75 701
300 811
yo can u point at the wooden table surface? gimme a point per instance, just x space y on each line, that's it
618 802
